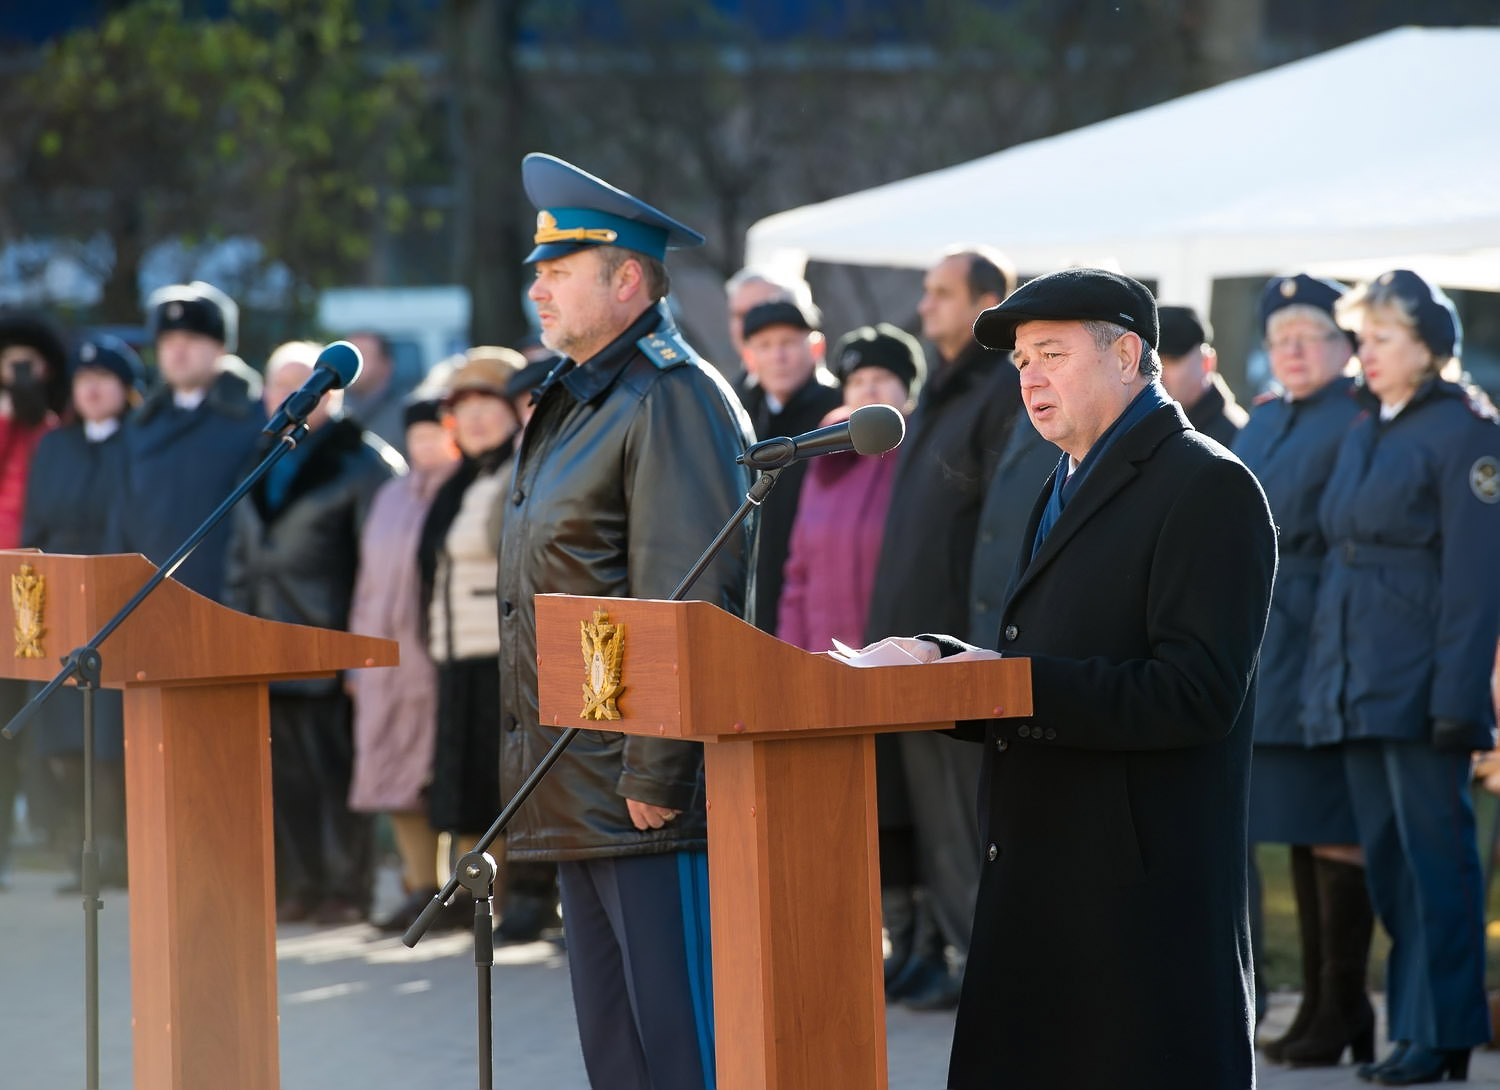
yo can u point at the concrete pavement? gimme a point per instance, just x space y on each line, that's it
359 1009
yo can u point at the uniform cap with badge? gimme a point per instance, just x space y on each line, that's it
1299 290
199 308
576 210
108 353
1071 295
1437 323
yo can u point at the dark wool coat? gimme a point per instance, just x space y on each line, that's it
1111 945
178 467
297 562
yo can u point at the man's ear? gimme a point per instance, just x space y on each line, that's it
629 279
1129 349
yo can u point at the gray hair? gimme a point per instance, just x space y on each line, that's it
1302 311
653 272
798 291
1107 333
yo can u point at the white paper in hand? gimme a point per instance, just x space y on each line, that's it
888 652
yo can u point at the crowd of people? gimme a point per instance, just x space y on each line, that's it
1380 466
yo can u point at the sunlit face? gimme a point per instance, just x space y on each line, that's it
947 308
1306 353
187 361
1185 377
98 394
482 421
1072 390
750 294
286 378
782 358
429 447
875 386
1394 359
576 303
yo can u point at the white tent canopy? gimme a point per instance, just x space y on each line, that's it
1380 154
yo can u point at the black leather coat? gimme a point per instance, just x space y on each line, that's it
296 561
624 475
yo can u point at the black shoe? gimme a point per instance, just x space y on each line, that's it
1421 1065
937 991
406 913
525 917
919 977
1371 1071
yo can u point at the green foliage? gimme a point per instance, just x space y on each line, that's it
274 122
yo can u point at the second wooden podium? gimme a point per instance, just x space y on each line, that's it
198 789
793 863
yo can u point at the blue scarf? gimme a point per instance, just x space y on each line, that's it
1065 485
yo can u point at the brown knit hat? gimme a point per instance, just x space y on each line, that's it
488 370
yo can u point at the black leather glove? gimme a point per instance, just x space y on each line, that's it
1454 735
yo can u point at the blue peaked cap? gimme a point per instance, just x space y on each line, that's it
576 210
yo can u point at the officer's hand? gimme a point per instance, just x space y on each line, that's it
645 816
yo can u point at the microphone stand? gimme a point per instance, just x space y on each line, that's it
85 665
476 870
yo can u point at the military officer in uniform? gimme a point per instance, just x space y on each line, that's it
1298 795
1403 638
625 473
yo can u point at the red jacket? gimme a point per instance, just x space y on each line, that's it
18 443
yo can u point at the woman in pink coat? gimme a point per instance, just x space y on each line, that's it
830 570
395 709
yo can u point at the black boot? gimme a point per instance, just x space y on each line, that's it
1305 890
1420 1064
925 976
1371 1071
1344 1017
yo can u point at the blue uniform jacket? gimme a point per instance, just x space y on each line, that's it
1409 608
1291 446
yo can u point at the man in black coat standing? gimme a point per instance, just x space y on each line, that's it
1111 943
1190 375
790 393
293 557
954 440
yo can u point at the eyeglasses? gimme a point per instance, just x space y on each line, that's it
1306 343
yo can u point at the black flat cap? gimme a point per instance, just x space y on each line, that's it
1072 295
1181 330
776 312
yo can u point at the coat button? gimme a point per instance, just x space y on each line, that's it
518 497
1025 731
507 607
1051 735
1002 745
511 723
1011 632
994 853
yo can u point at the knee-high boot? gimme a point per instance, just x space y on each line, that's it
1305 891
1344 1017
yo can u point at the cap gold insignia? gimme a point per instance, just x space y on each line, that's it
1288 288
603 660
28 595
548 231
1484 479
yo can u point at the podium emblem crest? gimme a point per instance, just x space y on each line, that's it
28 594
603 657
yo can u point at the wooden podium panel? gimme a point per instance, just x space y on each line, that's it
793 853
198 797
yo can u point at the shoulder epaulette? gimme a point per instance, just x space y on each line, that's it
666 349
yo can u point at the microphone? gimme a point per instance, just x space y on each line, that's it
337 366
870 429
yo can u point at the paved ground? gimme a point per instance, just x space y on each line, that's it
361 1010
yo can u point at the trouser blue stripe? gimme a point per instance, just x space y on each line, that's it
692 881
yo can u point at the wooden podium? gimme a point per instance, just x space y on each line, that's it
198 791
793 863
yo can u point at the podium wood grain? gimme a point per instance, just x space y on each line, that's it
198 796
793 862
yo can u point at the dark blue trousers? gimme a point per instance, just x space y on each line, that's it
1416 826
638 956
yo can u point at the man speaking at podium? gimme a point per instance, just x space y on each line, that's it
1111 944
625 474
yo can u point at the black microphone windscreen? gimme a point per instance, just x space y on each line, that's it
344 360
875 429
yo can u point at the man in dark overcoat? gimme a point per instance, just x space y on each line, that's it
1111 945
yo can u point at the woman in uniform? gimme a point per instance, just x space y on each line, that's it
1403 636
1297 794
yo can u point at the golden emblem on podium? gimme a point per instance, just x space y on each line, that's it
603 657
28 594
